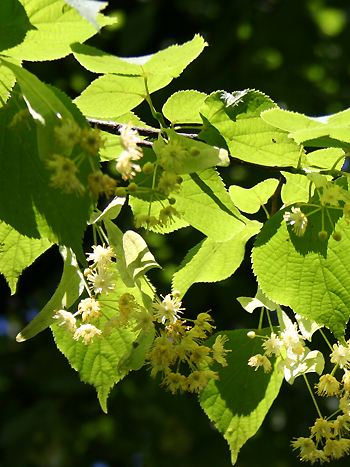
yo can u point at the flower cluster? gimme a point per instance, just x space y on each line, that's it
166 217
329 437
289 345
64 174
126 163
89 309
178 353
101 275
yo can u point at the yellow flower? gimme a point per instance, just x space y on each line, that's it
86 332
322 429
175 382
260 360
219 353
89 309
198 379
66 319
328 385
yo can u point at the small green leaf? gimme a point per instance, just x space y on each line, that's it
260 300
17 252
237 117
68 291
138 258
212 261
251 199
7 81
183 107
110 212
297 189
205 192
238 402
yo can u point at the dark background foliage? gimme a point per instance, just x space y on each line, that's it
293 50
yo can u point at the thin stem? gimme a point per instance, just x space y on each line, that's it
312 396
269 319
262 311
326 339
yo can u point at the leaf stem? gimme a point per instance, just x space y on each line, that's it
312 396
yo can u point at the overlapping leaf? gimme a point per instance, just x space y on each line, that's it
184 106
54 27
330 130
110 357
237 118
205 192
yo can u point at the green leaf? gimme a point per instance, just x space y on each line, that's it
305 273
98 363
111 95
33 207
14 23
110 212
249 138
88 9
212 261
110 357
142 207
114 94
181 155
138 258
41 101
303 129
260 300
55 26
251 199
205 192
184 106
238 402
327 158
297 189
68 291
17 252
7 81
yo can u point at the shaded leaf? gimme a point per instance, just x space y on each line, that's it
238 402
17 252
